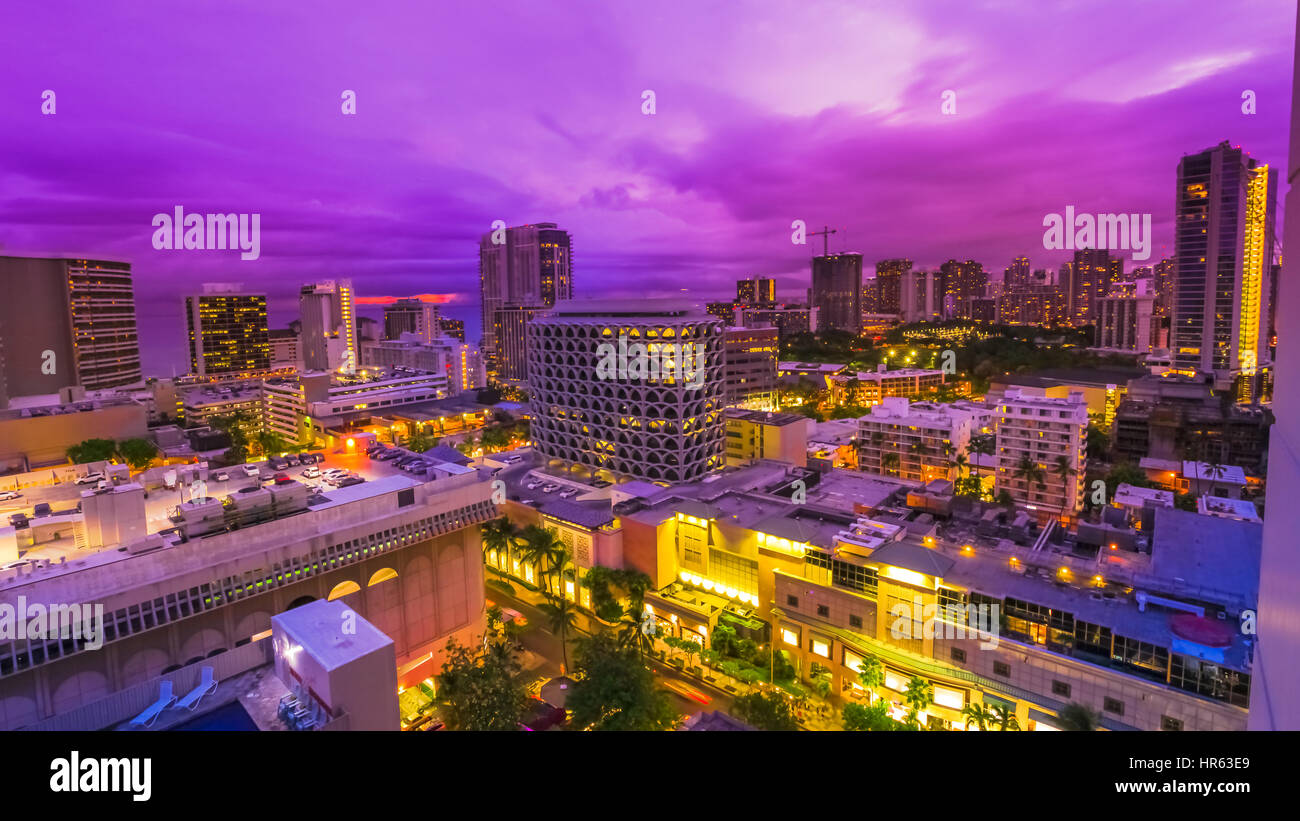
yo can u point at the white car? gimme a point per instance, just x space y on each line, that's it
311 473
222 476
90 479
7 495
251 470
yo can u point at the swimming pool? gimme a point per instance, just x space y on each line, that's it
228 717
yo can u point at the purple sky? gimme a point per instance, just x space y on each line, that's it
472 112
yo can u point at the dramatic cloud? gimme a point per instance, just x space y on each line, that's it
468 113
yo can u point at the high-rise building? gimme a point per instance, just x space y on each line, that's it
1034 304
886 289
921 296
750 367
1223 250
962 283
228 331
329 326
1126 323
412 316
1163 275
1017 273
628 388
527 266
511 334
285 349
726 311
1041 451
67 322
756 290
837 292
1089 276
444 354
918 441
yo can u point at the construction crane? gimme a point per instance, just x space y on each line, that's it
825 234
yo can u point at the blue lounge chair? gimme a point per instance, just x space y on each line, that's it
206 685
151 713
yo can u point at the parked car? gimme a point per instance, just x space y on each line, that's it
569 494
104 485
293 459
311 473
9 495
42 509
349 481
252 471
283 479
307 458
550 488
18 520
388 454
221 476
90 478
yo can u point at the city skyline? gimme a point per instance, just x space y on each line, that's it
396 201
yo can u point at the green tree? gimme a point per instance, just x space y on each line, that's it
138 453
421 441
562 616
92 450
979 715
917 697
873 717
766 711
613 689
269 442
479 688
1005 717
1098 446
499 535
1077 717
871 674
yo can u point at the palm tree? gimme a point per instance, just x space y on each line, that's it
979 715
983 444
963 464
562 616
1004 717
1062 469
1075 716
633 631
889 462
917 696
499 535
871 674
1030 472
538 550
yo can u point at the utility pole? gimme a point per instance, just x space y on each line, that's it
826 238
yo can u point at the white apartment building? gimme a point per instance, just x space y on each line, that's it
460 361
301 408
1047 433
918 441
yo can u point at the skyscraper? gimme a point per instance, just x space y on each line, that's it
412 316
228 331
1089 276
837 292
756 290
887 286
962 283
329 326
921 296
66 322
604 396
1017 274
528 266
1223 252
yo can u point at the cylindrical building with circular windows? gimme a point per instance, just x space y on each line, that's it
628 388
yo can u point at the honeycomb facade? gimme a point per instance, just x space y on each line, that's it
661 427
